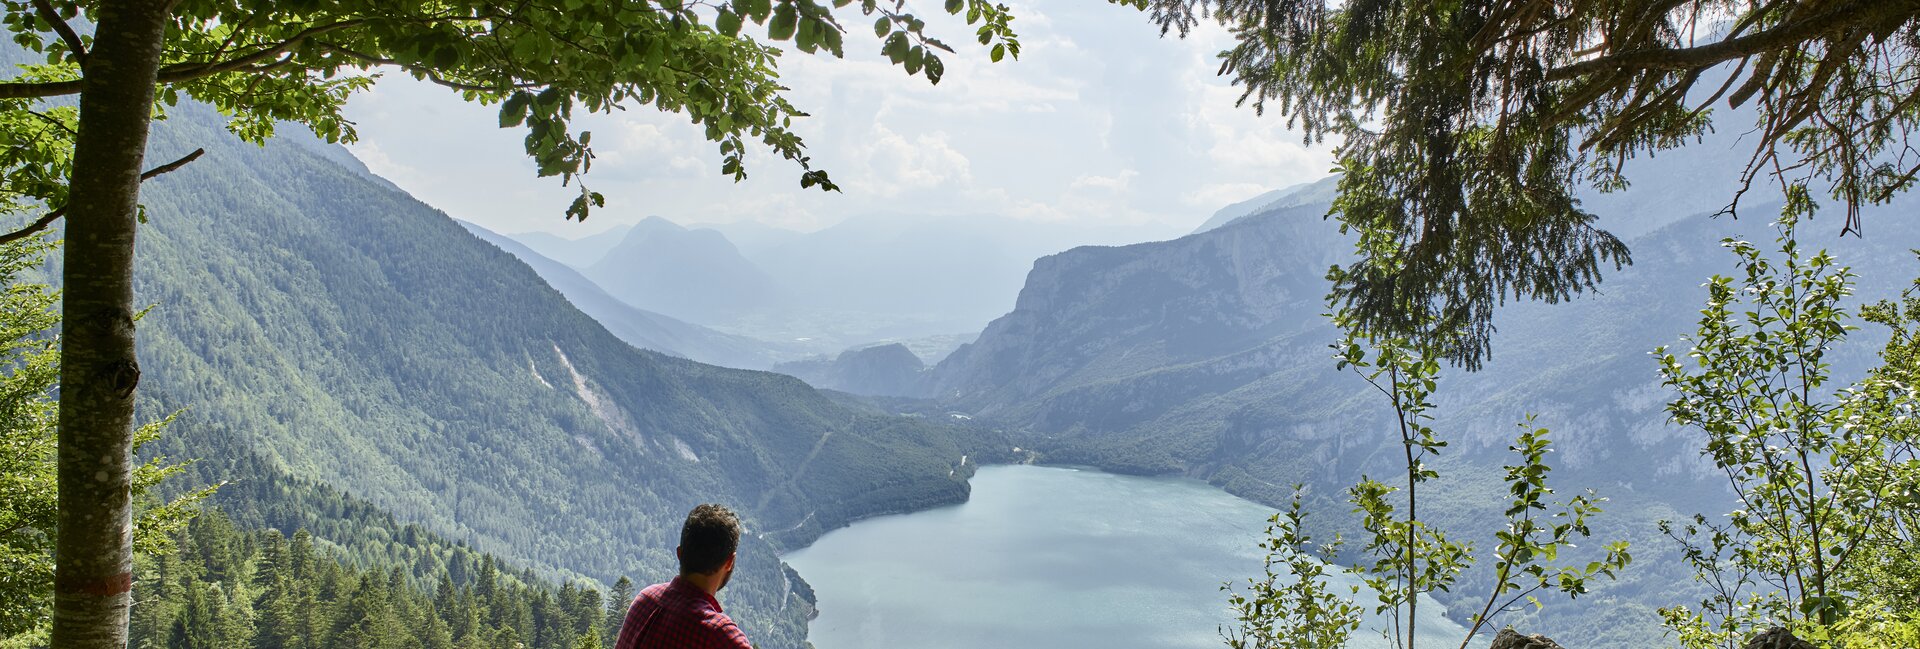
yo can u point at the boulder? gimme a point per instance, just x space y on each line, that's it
1777 638
1511 639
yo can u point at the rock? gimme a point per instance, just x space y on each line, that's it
1511 639
1777 638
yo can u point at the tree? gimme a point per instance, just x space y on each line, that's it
1411 557
1465 128
27 457
616 614
1297 606
1828 482
262 61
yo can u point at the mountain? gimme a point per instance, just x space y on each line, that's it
890 370
579 252
639 327
1095 318
1207 356
1319 191
344 333
693 274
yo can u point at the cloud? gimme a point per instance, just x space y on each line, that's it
382 164
1101 121
1116 183
895 164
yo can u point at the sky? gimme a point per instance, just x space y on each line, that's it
1101 122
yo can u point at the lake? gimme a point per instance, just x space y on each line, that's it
1047 557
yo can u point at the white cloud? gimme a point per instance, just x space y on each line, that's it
382 164
894 164
1119 182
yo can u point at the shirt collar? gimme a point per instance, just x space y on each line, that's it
680 582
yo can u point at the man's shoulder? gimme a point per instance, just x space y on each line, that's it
723 628
654 591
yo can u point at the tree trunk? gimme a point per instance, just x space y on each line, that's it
93 573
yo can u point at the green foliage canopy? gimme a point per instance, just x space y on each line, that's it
264 61
1465 129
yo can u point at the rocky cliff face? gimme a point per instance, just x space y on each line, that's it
1208 355
1152 324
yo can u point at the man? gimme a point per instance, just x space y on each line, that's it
682 614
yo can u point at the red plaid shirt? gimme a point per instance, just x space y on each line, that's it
678 615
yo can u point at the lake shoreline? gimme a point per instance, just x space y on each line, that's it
1039 555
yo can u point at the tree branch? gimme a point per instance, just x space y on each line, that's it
431 76
65 30
190 71
55 215
35 90
171 166
1856 12
180 71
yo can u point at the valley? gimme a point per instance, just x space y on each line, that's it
1202 356
1141 325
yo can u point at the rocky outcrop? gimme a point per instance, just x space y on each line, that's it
1511 639
1777 638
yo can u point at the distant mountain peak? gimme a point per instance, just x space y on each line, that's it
1319 191
657 222
696 275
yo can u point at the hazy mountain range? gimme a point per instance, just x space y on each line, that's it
642 328
869 279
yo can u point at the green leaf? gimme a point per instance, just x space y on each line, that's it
783 24
806 35
999 52
514 110
881 27
756 9
728 23
913 59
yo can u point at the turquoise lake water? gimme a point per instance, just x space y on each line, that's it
1047 557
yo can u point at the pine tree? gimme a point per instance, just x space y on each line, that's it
617 610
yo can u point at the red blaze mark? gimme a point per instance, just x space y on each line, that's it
105 587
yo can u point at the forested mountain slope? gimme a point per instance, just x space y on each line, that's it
284 562
351 335
1095 315
890 370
